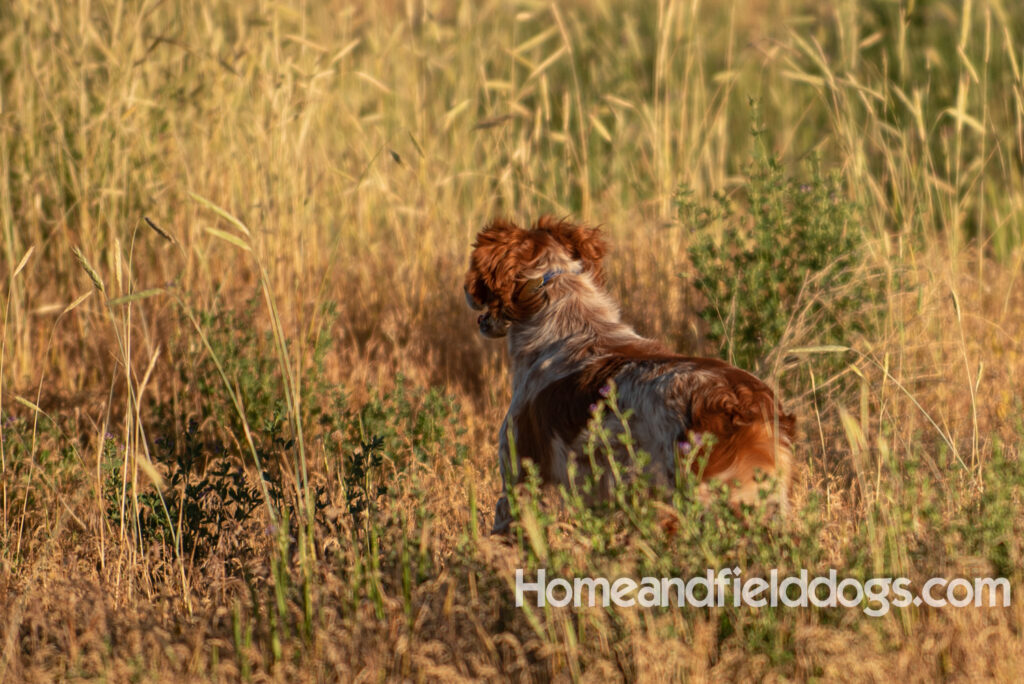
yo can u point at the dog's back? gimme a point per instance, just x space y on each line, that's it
670 400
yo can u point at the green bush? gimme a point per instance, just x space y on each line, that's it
789 253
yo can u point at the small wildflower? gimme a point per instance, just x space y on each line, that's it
593 408
606 390
685 447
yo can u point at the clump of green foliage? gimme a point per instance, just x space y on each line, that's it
989 526
211 490
789 252
409 422
207 501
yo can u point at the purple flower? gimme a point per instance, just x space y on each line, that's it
687 446
606 390
593 408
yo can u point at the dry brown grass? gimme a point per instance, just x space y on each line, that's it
355 150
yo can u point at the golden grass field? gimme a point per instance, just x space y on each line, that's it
234 236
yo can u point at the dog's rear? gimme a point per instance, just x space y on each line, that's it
753 437
748 461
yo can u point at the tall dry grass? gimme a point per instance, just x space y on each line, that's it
318 171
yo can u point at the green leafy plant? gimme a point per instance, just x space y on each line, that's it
790 249
988 525
207 499
410 423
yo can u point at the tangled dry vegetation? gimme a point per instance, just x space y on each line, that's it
248 427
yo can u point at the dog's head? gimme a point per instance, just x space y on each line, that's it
510 268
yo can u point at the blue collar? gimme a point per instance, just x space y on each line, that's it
539 282
549 275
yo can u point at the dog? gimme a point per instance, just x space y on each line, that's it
542 288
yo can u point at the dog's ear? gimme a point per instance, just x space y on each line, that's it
583 243
498 255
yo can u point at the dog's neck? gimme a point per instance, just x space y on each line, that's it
578 320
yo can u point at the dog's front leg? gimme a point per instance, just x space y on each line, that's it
502 510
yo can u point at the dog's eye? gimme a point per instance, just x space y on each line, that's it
473 304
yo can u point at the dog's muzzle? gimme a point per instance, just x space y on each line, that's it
491 326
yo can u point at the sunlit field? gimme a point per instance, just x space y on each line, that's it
249 428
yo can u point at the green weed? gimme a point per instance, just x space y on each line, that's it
787 251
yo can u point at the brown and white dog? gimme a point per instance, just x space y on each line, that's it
543 289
